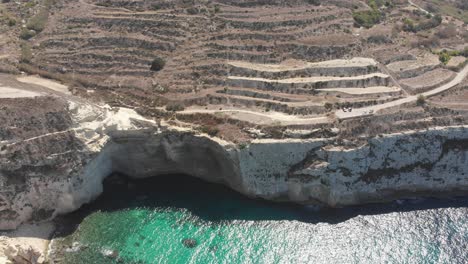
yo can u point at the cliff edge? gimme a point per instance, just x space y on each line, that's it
61 163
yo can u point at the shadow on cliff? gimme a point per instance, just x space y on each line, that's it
216 203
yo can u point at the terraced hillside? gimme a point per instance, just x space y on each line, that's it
112 43
261 62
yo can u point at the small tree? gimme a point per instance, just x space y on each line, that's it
157 64
328 106
421 100
444 57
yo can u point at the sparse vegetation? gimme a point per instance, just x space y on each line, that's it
411 26
200 58
368 18
446 55
448 31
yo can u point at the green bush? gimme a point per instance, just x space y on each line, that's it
157 64
444 57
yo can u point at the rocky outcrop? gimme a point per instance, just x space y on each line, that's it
18 255
42 183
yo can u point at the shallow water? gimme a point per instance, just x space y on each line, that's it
183 220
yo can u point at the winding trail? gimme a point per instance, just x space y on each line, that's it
367 111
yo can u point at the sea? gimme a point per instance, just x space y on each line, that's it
180 219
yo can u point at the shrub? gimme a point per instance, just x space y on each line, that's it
378 39
421 100
192 11
175 106
157 64
26 53
464 52
210 130
367 18
242 145
11 22
409 24
39 21
27 33
444 57
328 106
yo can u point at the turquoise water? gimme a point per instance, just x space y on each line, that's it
182 220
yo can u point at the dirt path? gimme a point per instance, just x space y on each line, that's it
45 83
310 79
270 118
361 91
300 65
9 92
285 119
366 111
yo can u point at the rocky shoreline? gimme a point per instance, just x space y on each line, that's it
69 169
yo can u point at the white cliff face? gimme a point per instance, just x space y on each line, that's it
304 171
431 162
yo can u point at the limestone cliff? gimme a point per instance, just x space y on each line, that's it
57 172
